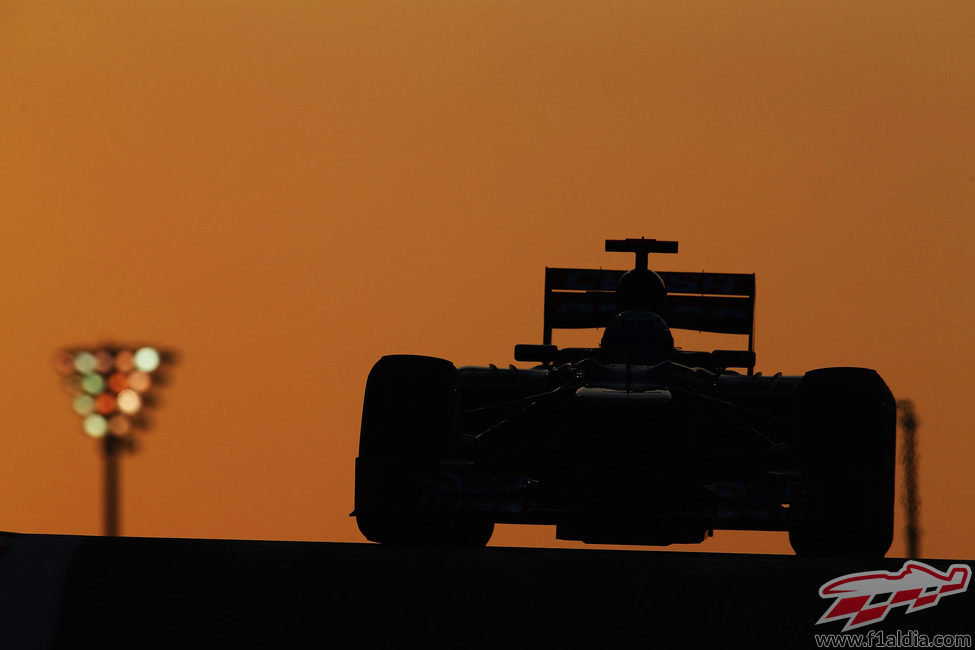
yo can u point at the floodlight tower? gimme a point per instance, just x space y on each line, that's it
112 386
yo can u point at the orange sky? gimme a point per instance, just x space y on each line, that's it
286 191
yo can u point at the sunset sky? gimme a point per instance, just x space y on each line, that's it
286 191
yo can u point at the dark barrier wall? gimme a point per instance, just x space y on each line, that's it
90 592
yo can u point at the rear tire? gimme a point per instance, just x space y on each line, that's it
408 425
845 435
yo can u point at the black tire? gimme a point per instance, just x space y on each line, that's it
408 424
845 436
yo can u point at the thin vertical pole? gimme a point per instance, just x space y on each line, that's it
909 423
112 447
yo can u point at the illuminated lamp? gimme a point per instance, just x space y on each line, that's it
64 362
84 362
83 405
105 404
129 402
104 362
125 361
147 359
95 426
118 382
140 381
119 425
93 384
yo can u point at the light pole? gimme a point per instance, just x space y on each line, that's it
912 499
112 387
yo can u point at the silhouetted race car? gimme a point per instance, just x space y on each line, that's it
633 442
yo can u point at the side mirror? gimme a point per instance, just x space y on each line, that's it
529 352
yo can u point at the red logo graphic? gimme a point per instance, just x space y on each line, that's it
865 598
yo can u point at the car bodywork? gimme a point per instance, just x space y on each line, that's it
632 442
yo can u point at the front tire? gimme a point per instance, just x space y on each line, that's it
409 417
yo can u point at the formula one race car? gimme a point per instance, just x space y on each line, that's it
633 442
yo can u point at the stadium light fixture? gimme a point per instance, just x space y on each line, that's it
112 387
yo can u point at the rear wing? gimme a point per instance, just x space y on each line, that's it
722 303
